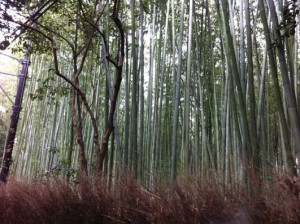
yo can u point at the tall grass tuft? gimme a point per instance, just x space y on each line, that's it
187 201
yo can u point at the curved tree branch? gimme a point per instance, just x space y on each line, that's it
117 85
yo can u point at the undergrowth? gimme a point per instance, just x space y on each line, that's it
55 201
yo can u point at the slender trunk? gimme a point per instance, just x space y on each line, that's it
186 148
242 47
252 120
127 115
176 100
141 65
134 96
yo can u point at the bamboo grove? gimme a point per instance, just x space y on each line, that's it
206 88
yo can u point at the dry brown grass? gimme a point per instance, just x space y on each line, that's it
55 201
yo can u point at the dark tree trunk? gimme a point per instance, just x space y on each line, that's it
117 85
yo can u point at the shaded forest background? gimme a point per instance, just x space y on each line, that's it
157 88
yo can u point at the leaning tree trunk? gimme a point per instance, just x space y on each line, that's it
290 97
230 48
273 68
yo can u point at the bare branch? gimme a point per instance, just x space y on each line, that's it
34 17
87 47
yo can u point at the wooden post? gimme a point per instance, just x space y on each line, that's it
9 144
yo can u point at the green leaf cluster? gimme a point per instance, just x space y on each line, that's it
288 23
48 89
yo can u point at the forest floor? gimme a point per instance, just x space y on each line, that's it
188 201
